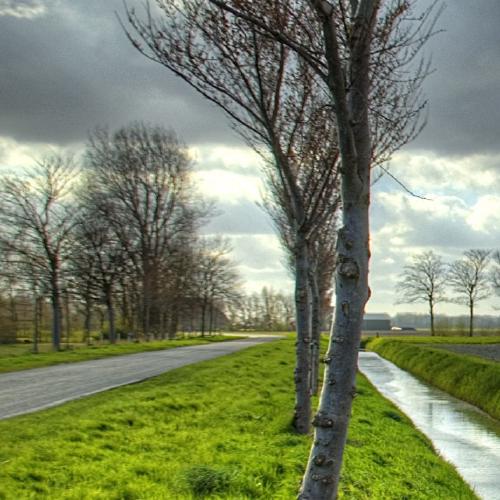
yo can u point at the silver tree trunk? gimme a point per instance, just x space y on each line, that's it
316 322
302 412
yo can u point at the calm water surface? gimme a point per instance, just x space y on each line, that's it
463 435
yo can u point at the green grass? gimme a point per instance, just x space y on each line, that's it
218 429
437 340
19 357
466 377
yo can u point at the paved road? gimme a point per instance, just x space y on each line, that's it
31 390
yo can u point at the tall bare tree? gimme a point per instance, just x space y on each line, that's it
275 103
470 281
143 174
37 215
495 272
424 280
216 279
98 258
362 51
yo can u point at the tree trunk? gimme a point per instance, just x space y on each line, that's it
36 324
174 322
331 422
211 319
302 412
471 318
316 322
67 318
431 311
111 315
56 321
88 319
203 313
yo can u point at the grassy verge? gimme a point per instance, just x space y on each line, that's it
218 429
437 340
14 358
466 377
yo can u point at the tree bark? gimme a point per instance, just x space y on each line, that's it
316 322
211 319
36 324
67 318
203 313
173 322
56 321
111 316
431 310
471 318
88 319
302 412
322 476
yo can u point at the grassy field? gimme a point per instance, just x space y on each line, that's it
219 429
466 377
439 340
19 356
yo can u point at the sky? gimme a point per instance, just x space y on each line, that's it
67 67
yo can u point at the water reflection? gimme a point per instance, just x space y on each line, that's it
462 434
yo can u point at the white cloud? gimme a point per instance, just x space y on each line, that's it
485 214
229 174
261 262
16 155
228 186
28 9
238 159
430 174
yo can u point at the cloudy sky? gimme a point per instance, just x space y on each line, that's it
66 66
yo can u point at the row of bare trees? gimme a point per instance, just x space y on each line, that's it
121 230
276 105
324 90
470 279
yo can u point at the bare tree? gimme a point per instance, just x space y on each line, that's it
275 103
469 280
424 280
362 51
98 259
216 279
142 173
495 272
37 216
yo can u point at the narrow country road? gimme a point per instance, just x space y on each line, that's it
31 390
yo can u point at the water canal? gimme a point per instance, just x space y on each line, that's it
463 435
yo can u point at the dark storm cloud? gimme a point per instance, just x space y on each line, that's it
71 68
464 91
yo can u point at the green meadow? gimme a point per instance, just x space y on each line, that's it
218 429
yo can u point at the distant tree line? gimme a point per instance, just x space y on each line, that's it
269 310
443 322
118 234
466 281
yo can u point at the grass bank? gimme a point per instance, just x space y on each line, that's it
466 377
219 429
18 357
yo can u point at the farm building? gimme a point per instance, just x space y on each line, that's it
379 321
